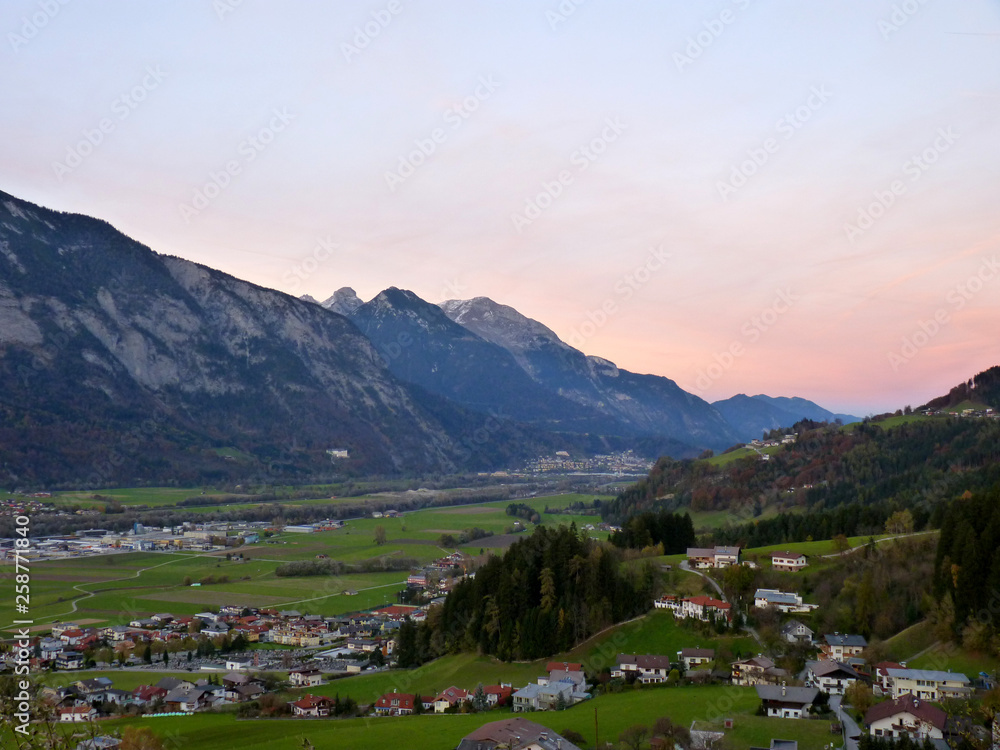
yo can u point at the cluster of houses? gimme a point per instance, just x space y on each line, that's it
703 558
440 576
909 693
563 685
704 608
68 644
79 701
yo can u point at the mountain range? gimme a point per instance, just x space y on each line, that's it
122 365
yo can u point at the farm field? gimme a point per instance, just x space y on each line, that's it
154 497
117 587
614 713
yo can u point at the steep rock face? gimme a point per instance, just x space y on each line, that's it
644 405
343 301
421 345
99 336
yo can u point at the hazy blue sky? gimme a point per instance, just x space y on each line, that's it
785 197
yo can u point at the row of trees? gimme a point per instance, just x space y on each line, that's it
675 531
329 567
967 570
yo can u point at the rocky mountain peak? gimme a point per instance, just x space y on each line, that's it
344 301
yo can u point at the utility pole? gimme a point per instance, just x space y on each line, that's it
597 733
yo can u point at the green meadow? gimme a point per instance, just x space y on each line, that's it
118 587
604 717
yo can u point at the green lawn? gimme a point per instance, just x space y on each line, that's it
952 658
122 679
758 731
724 459
613 714
910 642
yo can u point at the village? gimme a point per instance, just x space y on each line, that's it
222 651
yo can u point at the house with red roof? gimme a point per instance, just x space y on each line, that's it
146 694
881 682
906 715
498 695
448 698
395 704
311 705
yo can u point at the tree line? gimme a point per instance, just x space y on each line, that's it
547 593
675 531
967 571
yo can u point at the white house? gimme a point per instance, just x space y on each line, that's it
305 677
647 668
928 684
789 561
906 715
713 557
842 647
794 631
786 702
831 677
693 658
783 601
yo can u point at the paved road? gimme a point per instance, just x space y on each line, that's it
684 566
851 730
689 569
852 550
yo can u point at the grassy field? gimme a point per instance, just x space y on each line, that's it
154 497
760 554
123 679
910 642
118 587
656 633
723 459
758 731
951 658
612 714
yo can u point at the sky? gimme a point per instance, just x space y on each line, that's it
785 198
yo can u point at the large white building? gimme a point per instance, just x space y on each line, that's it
928 684
783 601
